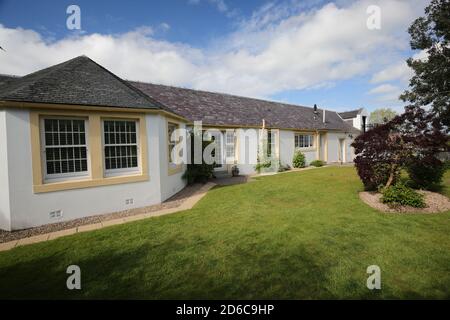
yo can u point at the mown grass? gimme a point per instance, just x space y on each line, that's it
302 235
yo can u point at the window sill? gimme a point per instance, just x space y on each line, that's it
88 183
306 149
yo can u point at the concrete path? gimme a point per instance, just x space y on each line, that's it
187 204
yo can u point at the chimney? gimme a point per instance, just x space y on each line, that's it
323 116
315 108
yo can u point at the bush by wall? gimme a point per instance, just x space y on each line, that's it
317 163
261 165
299 160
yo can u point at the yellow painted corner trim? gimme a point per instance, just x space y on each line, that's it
95 150
177 169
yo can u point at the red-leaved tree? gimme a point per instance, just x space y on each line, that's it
411 138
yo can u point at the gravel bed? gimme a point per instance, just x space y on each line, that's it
435 203
175 201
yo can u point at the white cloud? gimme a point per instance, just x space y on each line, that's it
399 71
164 26
384 88
280 47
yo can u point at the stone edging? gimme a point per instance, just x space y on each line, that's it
186 205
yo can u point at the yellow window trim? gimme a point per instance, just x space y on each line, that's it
315 139
97 176
179 167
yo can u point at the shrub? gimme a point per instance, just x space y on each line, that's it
400 194
427 172
317 163
299 160
260 165
447 165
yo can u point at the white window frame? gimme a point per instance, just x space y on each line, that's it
311 141
121 171
230 145
58 177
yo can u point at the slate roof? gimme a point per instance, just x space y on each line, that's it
229 110
81 81
350 114
5 78
78 81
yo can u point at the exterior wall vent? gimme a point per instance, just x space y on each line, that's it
57 214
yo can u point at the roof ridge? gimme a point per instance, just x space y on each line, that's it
9 75
359 110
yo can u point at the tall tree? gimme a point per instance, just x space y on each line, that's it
430 85
381 115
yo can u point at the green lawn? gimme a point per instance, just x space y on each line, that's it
293 236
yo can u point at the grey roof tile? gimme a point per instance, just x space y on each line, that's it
77 81
230 110
350 114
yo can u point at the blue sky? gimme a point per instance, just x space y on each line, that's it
303 52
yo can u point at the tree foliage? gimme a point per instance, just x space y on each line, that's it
381 115
430 84
413 137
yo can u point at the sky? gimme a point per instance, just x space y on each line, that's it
304 52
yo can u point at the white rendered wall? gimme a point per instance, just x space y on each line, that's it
29 209
333 147
287 149
5 218
247 150
357 121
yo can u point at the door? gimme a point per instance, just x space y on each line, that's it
321 147
341 150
